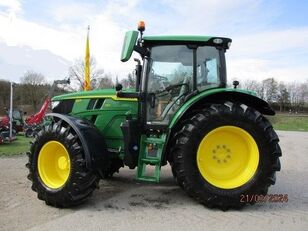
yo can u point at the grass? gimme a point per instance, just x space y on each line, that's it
287 122
19 146
284 122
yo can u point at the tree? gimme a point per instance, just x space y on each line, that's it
76 73
33 88
105 82
4 94
298 95
306 91
253 85
129 82
270 86
283 96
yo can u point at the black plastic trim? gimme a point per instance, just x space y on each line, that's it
130 95
64 106
131 135
93 143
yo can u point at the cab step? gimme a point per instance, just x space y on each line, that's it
151 149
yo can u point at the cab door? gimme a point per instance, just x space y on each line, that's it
169 80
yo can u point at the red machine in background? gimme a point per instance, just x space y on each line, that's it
5 134
38 117
17 126
18 122
32 124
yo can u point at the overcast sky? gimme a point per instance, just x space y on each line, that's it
270 38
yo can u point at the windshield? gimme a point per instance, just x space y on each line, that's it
170 77
170 65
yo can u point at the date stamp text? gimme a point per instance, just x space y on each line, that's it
275 198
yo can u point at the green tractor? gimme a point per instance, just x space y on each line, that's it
216 139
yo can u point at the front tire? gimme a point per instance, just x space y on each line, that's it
57 167
224 152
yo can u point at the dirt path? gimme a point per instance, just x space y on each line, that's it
125 204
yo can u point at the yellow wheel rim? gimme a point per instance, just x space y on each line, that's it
54 164
228 157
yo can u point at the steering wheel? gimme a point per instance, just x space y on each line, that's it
161 78
161 81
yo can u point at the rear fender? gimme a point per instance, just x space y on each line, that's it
93 143
219 95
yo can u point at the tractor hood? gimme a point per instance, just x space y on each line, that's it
84 101
88 104
108 93
101 93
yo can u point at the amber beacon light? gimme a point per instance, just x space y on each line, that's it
141 26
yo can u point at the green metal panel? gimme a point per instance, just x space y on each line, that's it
108 117
80 105
102 93
201 95
130 40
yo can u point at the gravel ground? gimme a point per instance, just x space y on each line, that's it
125 204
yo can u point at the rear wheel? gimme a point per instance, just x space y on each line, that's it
57 167
225 152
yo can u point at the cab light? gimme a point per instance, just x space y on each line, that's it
218 41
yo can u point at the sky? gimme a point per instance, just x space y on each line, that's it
269 38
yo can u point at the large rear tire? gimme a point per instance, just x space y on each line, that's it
224 152
57 167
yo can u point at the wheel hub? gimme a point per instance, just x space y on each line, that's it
228 157
54 164
221 153
62 163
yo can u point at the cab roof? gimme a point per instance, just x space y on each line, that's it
131 42
187 39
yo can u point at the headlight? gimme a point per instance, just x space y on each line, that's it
54 104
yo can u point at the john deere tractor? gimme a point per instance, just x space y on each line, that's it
216 139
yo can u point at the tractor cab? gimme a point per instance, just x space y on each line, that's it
177 72
175 68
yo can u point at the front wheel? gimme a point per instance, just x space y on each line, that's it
57 167
224 153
